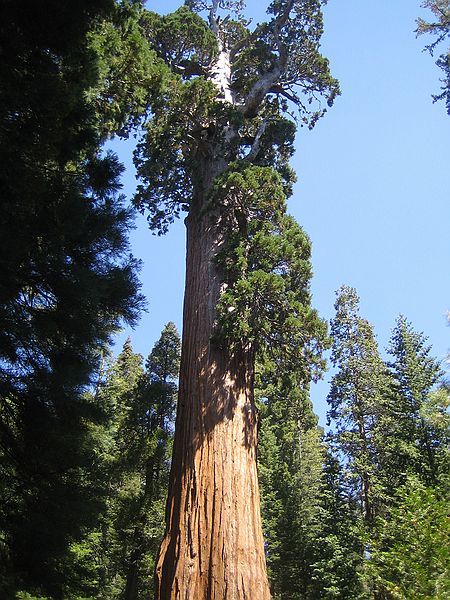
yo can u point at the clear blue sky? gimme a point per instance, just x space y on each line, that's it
373 190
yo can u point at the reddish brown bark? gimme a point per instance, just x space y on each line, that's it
213 548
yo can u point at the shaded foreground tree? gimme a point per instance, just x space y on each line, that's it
67 279
217 146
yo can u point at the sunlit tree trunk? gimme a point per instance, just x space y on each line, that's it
213 548
224 107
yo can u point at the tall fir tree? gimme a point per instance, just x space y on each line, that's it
414 375
116 559
356 401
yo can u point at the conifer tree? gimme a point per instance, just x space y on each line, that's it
356 400
439 27
337 568
67 279
152 418
410 555
290 462
217 146
116 559
414 374
311 538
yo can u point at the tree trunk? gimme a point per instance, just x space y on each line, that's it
132 581
213 547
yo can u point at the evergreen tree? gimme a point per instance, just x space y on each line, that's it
311 537
414 374
116 559
97 559
356 401
410 556
337 569
66 277
217 146
391 429
290 459
153 417
440 29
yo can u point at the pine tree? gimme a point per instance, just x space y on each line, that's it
415 373
217 146
356 400
116 559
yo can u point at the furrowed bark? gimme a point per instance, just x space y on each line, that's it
213 547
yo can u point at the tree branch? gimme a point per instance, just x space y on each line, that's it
254 150
189 68
279 89
261 87
238 46
213 16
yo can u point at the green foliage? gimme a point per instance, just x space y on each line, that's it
290 461
440 29
410 558
312 547
126 72
191 125
163 363
306 74
182 40
116 558
419 432
67 279
27 596
266 271
164 158
337 570
392 431
356 400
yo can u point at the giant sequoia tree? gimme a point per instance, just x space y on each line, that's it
217 146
